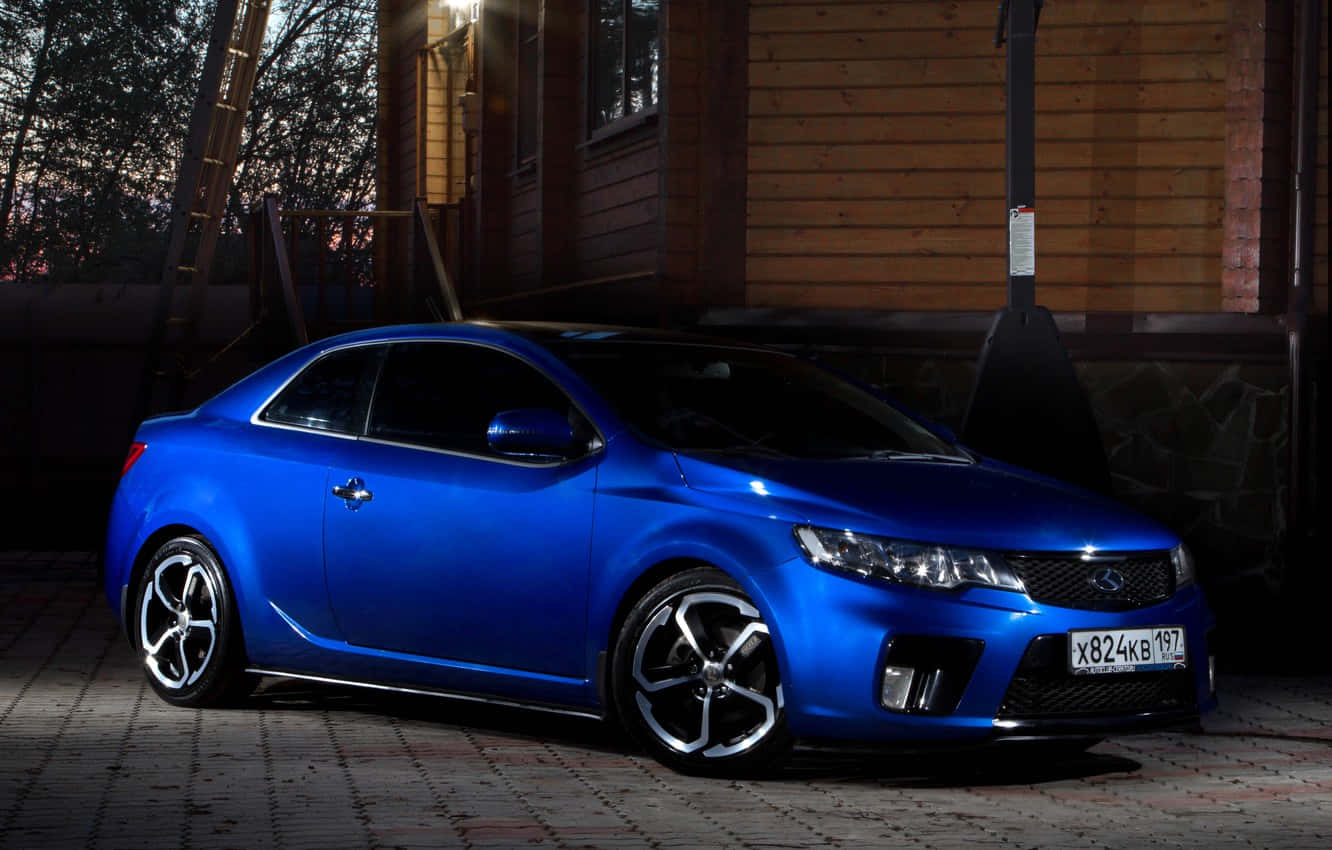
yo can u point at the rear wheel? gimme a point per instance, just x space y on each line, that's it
695 677
185 627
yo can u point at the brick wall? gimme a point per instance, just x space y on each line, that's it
1258 93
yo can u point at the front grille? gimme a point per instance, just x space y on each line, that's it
1066 581
1044 688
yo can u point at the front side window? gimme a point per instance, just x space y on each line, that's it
625 56
331 394
444 395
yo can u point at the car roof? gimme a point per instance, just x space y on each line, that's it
535 339
541 333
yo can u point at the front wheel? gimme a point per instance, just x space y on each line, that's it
186 629
695 677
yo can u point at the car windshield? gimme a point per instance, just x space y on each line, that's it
715 398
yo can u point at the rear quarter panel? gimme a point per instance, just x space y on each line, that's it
256 494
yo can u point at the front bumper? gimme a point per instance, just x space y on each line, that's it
1095 725
832 633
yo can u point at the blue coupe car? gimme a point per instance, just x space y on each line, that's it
730 549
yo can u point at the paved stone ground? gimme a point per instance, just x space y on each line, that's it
89 757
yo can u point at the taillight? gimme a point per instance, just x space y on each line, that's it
135 452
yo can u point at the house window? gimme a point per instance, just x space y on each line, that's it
626 54
528 36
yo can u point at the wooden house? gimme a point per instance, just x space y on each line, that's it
849 155
830 175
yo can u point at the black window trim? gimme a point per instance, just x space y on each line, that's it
256 418
598 443
622 130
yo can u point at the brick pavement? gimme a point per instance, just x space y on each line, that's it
89 757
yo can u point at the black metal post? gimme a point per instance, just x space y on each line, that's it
1021 152
1027 405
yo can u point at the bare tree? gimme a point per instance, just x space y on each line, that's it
22 111
94 103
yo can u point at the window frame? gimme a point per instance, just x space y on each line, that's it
629 120
258 416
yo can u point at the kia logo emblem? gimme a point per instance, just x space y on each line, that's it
1107 580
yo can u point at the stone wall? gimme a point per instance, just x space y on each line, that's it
1200 447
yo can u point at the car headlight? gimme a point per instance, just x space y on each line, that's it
919 564
1183 561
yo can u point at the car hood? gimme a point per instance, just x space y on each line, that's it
984 505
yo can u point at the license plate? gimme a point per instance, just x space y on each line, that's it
1127 650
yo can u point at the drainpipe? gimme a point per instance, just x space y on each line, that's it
1302 268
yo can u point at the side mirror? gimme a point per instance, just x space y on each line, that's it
531 432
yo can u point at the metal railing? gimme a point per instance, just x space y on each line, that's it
329 271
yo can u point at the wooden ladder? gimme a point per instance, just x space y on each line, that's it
206 171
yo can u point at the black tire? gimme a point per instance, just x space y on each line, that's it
734 684
185 627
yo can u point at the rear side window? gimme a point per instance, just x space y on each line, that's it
331 394
443 395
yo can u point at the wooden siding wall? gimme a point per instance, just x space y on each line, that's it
495 57
722 152
589 209
402 33
558 127
679 178
876 155
616 207
445 178
412 81
524 239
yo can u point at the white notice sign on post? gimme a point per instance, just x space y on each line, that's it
1022 241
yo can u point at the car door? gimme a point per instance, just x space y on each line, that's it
437 546
280 474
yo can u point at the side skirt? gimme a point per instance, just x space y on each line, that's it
454 695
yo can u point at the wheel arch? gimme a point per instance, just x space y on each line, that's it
687 577
150 545
221 678
738 550
637 589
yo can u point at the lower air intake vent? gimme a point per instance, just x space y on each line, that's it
1132 693
1043 687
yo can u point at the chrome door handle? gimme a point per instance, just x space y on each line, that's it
354 492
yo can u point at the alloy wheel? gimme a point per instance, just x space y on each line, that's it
178 621
706 675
